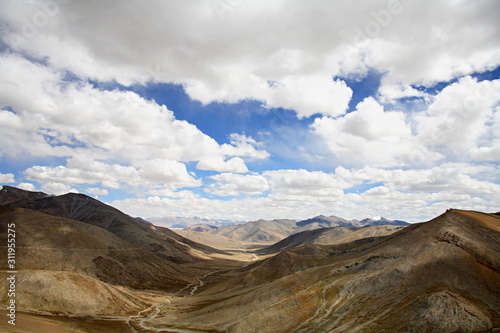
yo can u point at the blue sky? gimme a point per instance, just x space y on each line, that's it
180 109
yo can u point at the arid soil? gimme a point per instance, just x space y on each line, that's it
83 266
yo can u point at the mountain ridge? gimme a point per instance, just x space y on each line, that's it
272 231
442 275
438 283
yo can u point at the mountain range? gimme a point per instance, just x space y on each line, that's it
84 266
270 231
438 276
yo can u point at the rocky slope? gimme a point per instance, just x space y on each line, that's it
272 231
438 276
53 243
80 207
77 256
327 236
9 194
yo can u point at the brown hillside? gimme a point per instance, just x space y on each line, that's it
326 236
45 242
9 194
438 276
161 241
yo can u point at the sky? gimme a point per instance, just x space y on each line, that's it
242 110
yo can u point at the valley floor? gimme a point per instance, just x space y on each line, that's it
49 323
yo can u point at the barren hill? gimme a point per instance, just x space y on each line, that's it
329 236
80 207
9 194
86 262
438 276
53 243
272 231
260 231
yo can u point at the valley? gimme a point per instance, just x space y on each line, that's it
83 266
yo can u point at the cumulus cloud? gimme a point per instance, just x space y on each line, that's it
57 54
166 191
391 92
80 170
159 171
370 135
26 186
84 171
234 165
316 184
414 195
209 58
57 188
229 184
110 122
306 95
7 178
96 191
87 125
243 145
460 114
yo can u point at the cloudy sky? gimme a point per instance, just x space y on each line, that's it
248 109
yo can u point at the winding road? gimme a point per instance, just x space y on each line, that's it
157 308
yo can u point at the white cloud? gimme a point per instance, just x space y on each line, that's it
96 191
382 201
309 95
391 92
57 188
10 120
450 178
302 183
79 170
306 94
86 124
229 184
168 192
27 186
115 122
379 190
242 145
234 165
300 50
84 171
460 115
459 123
159 171
7 178
371 136
290 59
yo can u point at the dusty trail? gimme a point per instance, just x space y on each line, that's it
251 261
194 287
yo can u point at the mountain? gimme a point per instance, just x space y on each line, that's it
53 243
9 194
128 252
327 236
83 266
322 221
381 221
76 256
70 267
272 231
79 207
438 276
187 222
201 228
261 231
